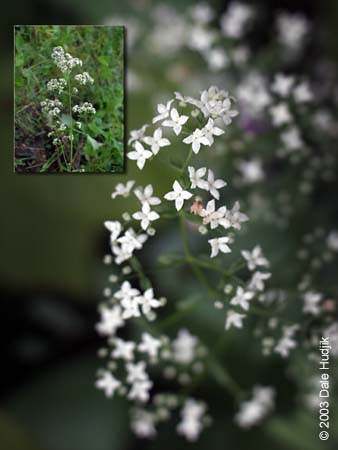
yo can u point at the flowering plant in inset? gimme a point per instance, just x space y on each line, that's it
65 117
195 201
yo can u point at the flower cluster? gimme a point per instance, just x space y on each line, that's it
64 61
63 132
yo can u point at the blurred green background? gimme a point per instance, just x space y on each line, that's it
52 243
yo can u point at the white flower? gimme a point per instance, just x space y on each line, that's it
149 345
255 258
302 93
196 178
114 227
233 22
196 139
108 383
287 342
210 131
213 185
184 347
234 319
131 241
176 121
142 424
147 301
156 141
332 241
291 139
146 195
292 29
178 195
257 281
140 154
121 254
126 291
123 349
191 424
253 411
146 216
140 390
233 218
252 170
121 189
136 372
282 84
137 135
111 319
242 298
312 303
163 111
280 114
219 245
211 215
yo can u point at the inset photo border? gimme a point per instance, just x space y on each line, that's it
69 99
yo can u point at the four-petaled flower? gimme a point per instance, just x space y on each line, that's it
210 131
178 195
140 155
145 195
149 345
146 216
196 177
163 111
156 141
242 298
108 383
234 319
123 189
196 139
211 215
213 185
176 121
219 245
255 258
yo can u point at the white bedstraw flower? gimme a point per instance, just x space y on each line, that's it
257 281
219 245
191 423
212 216
149 345
145 195
121 254
291 139
253 411
163 111
234 319
131 241
252 170
140 155
114 227
210 131
197 139
136 372
137 135
184 347
123 349
280 114
178 195
302 93
282 84
111 319
196 178
140 391
156 141
312 303
108 383
242 298
287 342
143 424
213 185
255 258
176 121
146 216
123 189
147 301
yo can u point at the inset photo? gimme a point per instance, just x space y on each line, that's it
69 99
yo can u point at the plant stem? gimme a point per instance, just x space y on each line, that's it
71 124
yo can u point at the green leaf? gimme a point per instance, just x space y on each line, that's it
94 143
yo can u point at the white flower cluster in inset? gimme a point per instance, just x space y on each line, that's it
51 107
57 85
86 107
84 78
64 61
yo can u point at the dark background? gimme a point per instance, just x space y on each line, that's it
52 244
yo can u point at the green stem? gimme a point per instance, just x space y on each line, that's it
71 124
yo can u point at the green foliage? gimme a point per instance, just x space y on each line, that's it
101 141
